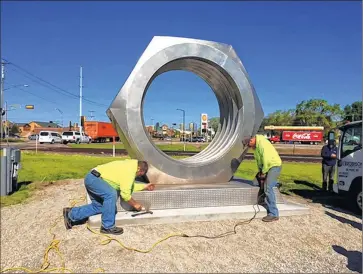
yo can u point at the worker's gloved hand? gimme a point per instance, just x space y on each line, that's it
150 187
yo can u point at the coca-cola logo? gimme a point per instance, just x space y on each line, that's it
305 136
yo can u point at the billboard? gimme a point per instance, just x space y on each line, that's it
204 122
313 136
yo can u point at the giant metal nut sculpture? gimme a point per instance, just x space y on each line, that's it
240 110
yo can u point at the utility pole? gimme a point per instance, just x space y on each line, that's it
2 98
61 113
80 101
91 116
6 120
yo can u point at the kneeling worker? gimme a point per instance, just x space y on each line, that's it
269 165
104 184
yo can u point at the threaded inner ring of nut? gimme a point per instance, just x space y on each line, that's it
229 100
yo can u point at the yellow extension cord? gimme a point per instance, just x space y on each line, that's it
55 243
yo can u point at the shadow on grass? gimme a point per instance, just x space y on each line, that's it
345 220
354 258
19 186
24 183
316 195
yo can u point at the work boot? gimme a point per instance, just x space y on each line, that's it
270 218
113 230
67 221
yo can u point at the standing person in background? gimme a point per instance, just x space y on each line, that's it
329 155
269 165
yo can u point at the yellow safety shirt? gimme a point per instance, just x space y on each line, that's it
121 176
265 154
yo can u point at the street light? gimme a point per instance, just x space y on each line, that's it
61 115
11 107
15 86
2 110
183 125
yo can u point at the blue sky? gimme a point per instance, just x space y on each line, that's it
293 51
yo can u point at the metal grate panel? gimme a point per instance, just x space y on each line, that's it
199 197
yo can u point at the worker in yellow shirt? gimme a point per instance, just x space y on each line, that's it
269 166
104 184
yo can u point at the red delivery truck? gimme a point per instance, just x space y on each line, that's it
100 131
303 137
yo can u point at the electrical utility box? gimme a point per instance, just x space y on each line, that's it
10 165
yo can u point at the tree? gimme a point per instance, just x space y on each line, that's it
353 112
317 112
214 123
281 118
14 129
278 118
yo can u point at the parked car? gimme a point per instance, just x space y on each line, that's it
49 137
33 137
14 136
200 139
274 139
75 137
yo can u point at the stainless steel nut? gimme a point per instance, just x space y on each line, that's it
240 109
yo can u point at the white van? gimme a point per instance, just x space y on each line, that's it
50 137
349 171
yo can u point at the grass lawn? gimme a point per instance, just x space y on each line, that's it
40 169
12 140
166 146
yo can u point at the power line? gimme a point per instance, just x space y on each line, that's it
40 79
36 95
51 86
73 96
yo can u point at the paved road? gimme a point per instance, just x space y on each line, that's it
31 144
275 145
299 155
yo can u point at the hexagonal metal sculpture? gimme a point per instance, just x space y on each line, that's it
240 109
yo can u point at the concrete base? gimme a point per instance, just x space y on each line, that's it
237 192
199 214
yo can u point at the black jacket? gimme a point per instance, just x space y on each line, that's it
326 153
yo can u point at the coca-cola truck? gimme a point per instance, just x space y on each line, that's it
303 137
